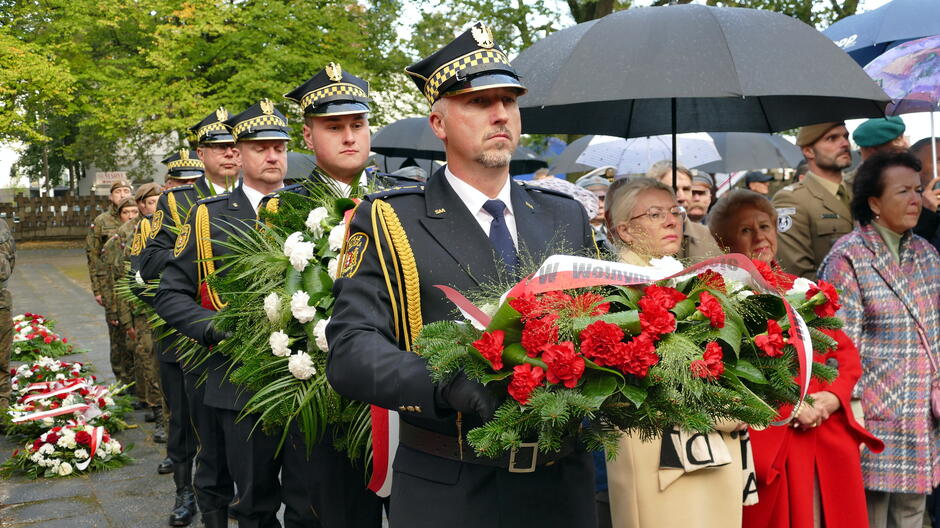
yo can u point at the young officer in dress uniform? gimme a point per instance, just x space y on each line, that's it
186 302
465 228
212 168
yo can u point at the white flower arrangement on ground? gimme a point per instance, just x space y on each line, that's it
66 450
34 336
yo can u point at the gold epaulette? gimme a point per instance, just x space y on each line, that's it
174 211
205 264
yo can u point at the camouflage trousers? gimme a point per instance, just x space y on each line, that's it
145 367
122 355
6 346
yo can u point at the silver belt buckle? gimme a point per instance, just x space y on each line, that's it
534 446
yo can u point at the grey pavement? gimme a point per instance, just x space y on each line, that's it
54 282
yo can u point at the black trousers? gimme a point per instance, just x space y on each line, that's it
254 464
181 435
212 482
325 489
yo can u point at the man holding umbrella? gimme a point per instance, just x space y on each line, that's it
466 228
814 213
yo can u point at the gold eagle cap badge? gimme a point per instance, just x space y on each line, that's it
184 154
267 106
483 35
334 71
221 114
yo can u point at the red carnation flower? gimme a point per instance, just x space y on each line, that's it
553 302
564 365
65 340
525 304
525 378
51 438
831 306
55 405
490 345
537 333
101 403
47 339
656 322
105 438
37 443
710 366
711 308
83 438
638 355
590 303
766 272
713 280
660 297
772 342
598 341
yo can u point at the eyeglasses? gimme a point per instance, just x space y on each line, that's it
658 214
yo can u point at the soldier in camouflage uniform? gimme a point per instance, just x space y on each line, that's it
118 314
7 257
103 227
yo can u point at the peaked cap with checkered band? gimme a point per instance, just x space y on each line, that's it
184 165
260 121
211 129
469 63
332 91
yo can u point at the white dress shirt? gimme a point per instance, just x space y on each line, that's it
253 196
474 200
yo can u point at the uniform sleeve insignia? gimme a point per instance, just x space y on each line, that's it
356 246
181 240
137 245
785 218
156 224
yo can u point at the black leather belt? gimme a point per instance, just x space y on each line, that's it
524 459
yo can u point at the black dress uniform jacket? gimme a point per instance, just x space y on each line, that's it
367 363
178 299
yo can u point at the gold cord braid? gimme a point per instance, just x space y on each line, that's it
174 211
204 253
388 284
396 266
144 227
409 269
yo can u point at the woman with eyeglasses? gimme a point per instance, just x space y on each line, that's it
645 223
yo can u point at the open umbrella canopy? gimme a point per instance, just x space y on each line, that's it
910 75
299 165
751 151
637 155
869 34
413 138
717 69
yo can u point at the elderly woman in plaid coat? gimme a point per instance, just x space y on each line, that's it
890 284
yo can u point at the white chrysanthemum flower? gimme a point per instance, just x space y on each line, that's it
301 366
337 234
272 307
319 333
60 376
300 309
315 220
667 264
332 267
65 469
46 449
81 454
801 286
279 342
298 251
138 279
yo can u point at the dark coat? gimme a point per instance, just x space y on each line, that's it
368 363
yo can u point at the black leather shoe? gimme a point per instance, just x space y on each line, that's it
184 509
165 467
159 426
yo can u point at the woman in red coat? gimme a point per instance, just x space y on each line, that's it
808 472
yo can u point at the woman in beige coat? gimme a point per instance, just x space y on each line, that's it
679 479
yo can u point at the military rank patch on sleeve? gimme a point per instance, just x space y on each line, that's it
137 245
355 248
181 240
156 224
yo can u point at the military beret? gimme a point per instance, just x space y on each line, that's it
120 183
126 202
469 63
146 191
757 176
879 131
702 177
332 92
184 165
810 133
211 129
260 121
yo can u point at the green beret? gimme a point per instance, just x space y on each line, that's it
876 132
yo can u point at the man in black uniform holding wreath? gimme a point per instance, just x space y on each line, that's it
465 228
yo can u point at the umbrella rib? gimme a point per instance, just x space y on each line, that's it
724 39
763 111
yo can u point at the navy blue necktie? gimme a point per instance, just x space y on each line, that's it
499 234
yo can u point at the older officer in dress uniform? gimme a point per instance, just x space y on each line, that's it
465 228
212 168
814 213
186 302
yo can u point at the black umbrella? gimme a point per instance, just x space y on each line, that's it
299 165
690 68
413 138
